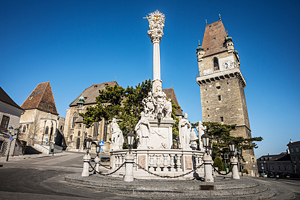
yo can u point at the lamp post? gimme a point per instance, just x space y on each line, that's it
130 138
11 139
159 117
97 159
233 161
87 158
207 160
129 158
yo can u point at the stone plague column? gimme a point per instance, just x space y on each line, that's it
156 25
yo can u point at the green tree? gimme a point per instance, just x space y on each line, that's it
218 163
220 137
123 104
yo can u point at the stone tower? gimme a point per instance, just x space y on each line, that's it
222 84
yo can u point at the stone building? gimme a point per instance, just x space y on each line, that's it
222 85
76 132
278 164
10 114
40 123
294 149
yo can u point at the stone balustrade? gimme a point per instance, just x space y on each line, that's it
171 162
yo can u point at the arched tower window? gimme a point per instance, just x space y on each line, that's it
24 128
75 116
46 130
216 64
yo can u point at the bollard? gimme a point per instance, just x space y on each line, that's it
86 160
235 172
208 168
97 160
129 168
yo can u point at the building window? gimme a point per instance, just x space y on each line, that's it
222 119
75 116
1 145
292 150
297 149
219 97
71 137
4 122
24 128
46 130
284 167
278 168
78 133
216 63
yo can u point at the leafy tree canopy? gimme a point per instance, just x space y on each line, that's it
220 137
123 104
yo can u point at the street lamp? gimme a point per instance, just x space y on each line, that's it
88 145
11 139
231 148
98 147
205 141
159 117
130 138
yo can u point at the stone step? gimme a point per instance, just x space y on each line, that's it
231 189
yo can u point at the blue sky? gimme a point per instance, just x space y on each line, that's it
74 44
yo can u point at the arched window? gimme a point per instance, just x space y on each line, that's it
78 133
46 130
24 128
71 137
75 116
216 64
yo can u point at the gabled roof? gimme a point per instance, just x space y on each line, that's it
214 38
41 98
292 143
92 92
6 99
171 95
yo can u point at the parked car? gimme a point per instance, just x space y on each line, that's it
271 175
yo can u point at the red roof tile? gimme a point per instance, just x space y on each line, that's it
41 98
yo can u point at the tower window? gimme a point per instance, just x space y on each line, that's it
219 97
46 130
78 133
216 63
222 119
218 87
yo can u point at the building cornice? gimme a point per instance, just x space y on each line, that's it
222 75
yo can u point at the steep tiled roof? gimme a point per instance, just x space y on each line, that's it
171 94
92 92
6 99
214 38
41 98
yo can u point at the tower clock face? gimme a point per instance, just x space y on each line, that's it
228 65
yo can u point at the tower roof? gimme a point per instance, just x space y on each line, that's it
6 99
92 92
214 38
41 98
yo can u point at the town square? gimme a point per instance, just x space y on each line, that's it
149 100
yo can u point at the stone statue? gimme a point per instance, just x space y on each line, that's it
168 109
117 135
184 132
200 130
193 137
143 130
